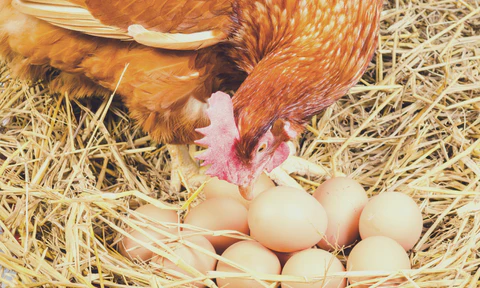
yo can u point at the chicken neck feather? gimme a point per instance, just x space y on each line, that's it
301 56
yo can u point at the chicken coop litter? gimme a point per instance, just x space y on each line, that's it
71 171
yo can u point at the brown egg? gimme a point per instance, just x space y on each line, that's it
394 215
377 253
251 255
343 199
221 213
219 188
314 263
155 214
192 257
156 217
287 219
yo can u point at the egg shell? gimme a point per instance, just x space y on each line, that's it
394 215
156 217
155 214
250 255
135 248
377 253
343 199
287 219
220 188
191 256
314 263
220 213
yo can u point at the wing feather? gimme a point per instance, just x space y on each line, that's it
71 16
175 41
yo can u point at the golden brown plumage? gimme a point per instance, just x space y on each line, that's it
320 50
163 89
185 16
300 56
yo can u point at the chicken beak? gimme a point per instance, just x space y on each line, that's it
246 191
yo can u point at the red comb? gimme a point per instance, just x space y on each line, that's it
220 137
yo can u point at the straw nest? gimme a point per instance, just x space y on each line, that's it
71 171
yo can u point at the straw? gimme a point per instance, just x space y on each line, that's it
72 171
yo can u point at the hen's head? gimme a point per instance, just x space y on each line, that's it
233 159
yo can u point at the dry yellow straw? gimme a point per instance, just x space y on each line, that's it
72 170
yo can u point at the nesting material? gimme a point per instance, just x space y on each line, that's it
71 171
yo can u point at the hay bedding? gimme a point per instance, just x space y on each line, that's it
71 171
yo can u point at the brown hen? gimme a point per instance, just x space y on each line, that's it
294 58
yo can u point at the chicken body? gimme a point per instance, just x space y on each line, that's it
165 90
299 57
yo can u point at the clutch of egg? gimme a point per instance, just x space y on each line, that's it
280 228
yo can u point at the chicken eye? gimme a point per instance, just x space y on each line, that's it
262 148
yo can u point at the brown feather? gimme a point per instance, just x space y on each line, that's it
185 16
300 56
165 91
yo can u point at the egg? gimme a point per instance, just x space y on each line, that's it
156 214
191 256
286 219
314 263
394 215
220 188
132 248
343 199
220 213
250 255
377 253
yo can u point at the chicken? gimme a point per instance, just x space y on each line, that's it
290 58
